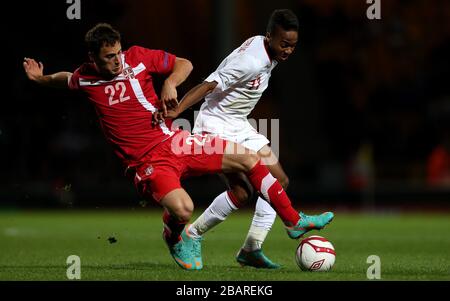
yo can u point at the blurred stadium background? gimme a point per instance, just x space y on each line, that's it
364 105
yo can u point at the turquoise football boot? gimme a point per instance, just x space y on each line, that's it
195 246
308 223
255 259
182 253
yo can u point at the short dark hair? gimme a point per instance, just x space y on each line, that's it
284 18
100 35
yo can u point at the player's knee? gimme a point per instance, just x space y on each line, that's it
184 216
249 161
183 212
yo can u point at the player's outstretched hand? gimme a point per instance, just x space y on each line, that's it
33 69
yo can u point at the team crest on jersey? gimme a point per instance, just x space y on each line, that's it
149 170
254 84
128 73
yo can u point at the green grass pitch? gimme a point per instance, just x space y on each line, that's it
34 245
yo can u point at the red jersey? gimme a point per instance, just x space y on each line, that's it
438 166
125 104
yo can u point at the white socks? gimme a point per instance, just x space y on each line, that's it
216 213
262 222
219 210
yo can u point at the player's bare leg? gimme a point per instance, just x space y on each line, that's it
223 205
178 211
238 158
228 201
239 193
251 252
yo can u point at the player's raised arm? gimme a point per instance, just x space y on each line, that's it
35 72
192 97
196 94
181 70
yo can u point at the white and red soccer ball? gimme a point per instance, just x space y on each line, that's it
315 253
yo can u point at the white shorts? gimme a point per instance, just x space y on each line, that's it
241 132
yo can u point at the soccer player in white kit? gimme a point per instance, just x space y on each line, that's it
231 92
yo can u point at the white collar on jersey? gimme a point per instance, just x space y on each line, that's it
124 75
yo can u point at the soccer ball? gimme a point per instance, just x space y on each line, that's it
315 253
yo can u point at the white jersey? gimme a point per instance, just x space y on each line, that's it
241 79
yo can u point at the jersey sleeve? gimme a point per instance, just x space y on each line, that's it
156 61
234 72
74 80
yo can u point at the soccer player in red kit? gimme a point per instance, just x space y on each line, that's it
119 84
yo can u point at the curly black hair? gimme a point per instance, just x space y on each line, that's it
284 18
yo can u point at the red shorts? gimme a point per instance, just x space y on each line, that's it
182 155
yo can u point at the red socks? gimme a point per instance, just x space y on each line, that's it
274 193
233 199
172 228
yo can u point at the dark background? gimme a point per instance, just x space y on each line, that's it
363 104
